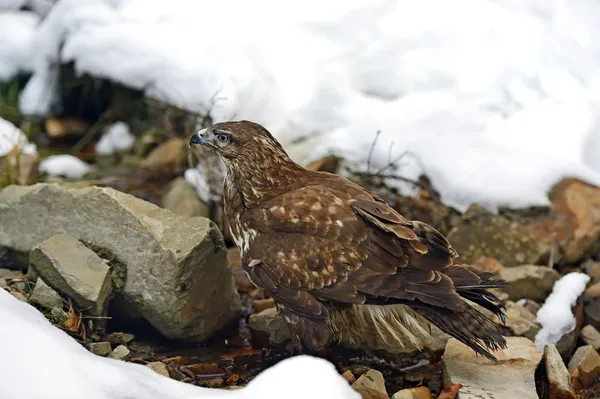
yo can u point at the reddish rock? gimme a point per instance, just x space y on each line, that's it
349 377
489 264
574 220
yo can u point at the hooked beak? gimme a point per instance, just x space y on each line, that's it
199 137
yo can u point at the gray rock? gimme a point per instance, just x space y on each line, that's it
521 321
71 268
557 374
178 276
45 296
484 234
371 383
120 353
529 281
183 200
127 338
269 327
512 376
10 274
591 336
159 367
99 348
3 283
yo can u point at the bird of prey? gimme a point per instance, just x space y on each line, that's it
334 256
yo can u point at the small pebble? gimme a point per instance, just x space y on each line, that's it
120 353
99 348
159 367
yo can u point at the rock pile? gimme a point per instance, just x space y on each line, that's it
92 246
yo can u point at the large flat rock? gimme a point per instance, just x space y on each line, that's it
178 276
512 376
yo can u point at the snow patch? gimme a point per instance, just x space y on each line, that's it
51 354
10 136
555 315
17 42
117 138
498 104
65 165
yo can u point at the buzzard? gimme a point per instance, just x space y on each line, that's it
335 257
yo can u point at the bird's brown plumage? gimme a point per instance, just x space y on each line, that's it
324 247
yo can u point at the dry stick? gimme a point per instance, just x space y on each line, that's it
371 151
90 133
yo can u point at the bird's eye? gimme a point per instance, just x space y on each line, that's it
222 138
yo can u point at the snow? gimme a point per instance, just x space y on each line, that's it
16 42
65 165
116 138
63 369
497 104
10 136
555 315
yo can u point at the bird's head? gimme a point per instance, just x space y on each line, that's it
242 141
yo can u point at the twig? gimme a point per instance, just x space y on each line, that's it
371 150
90 133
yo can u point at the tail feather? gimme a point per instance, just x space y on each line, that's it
469 326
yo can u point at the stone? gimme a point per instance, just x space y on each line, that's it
329 164
99 348
512 376
530 305
521 321
72 269
127 338
490 265
10 274
3 283
557 374
591 336
178 277
592 269
528 282
120 353
349 376
45 296
584 367
171 154
269 327
19 296
413 393
574 223
484 234
371 383
182 200
592 292
159 367
262 304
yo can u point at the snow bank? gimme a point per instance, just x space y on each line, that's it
64 165
116 138
43 362
555 315
16 42
498 103
10 136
